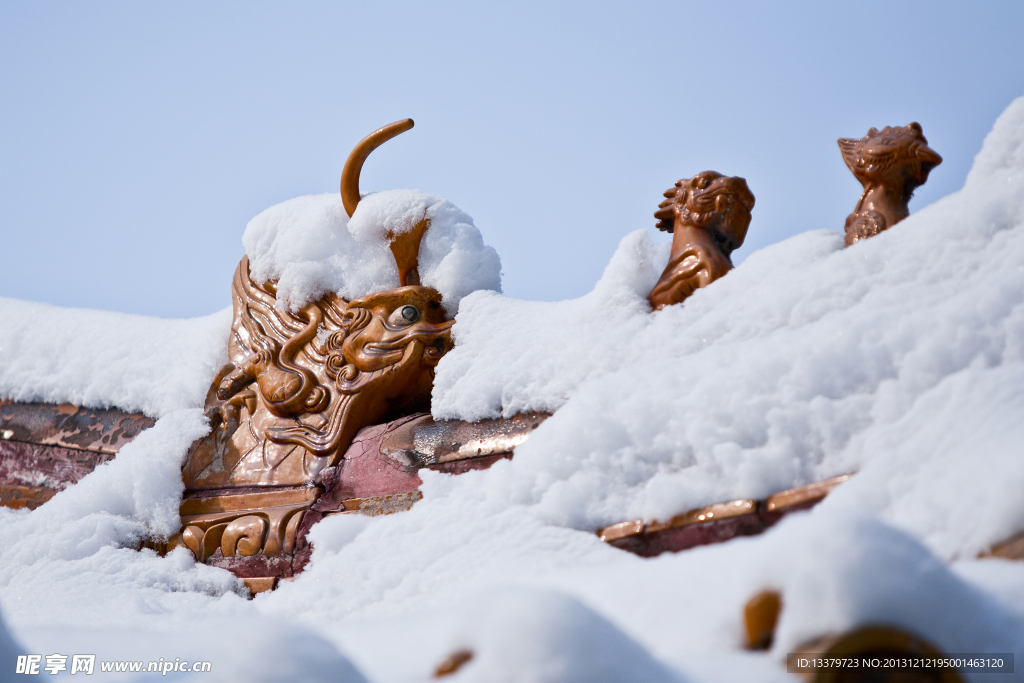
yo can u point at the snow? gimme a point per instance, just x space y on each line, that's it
836 570
901 358
565 641
102 359
806 362
312 247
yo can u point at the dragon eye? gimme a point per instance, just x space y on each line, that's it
406 315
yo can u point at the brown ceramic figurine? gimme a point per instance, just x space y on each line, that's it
890 164
708 216
299 387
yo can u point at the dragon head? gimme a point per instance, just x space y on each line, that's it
391 340
894 156
718 204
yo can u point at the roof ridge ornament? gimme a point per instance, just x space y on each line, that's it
298 388
890 163
708 216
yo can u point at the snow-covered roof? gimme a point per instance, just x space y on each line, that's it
901 358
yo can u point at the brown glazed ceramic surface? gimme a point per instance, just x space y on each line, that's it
259 532
708 216
890 164
101 430
299 386
715 523
354 163
760 615
452 663
44 448
298 389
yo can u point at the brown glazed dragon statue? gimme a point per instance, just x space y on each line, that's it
890 164
299 386
708 216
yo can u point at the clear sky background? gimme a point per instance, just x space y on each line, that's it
138 139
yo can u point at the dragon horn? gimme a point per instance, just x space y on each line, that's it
354 164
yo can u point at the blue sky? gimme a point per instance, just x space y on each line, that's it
138 139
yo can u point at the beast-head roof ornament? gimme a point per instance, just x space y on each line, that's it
301 385
890 164
708 216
